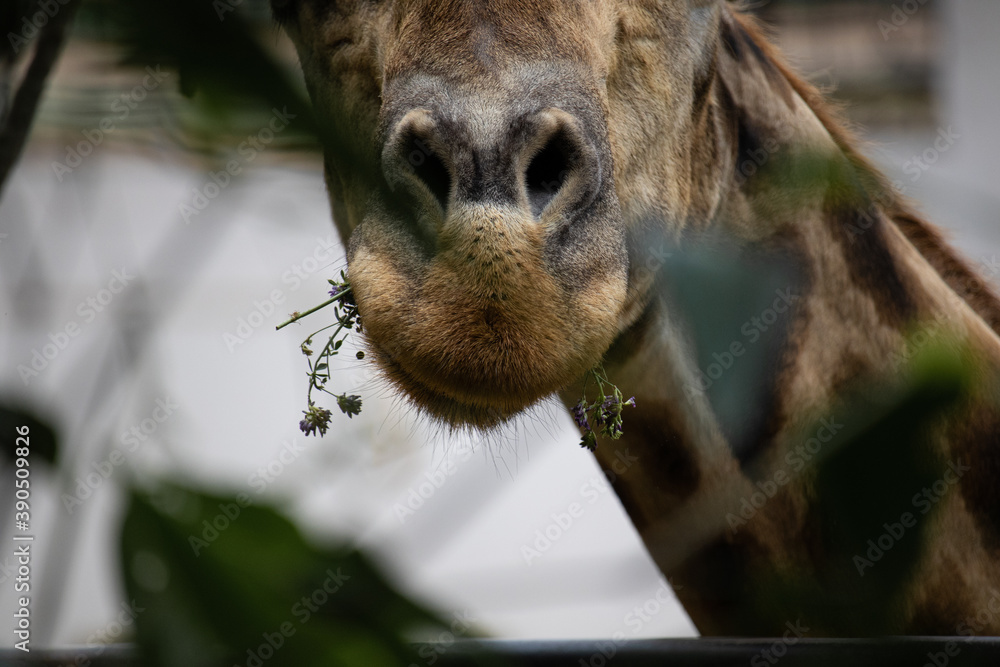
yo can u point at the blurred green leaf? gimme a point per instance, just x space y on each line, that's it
865 482
217 57
721 294
218 580
233 80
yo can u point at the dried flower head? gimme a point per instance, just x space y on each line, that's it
580 415
349 405
606 411
316 419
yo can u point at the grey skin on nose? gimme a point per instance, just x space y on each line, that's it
540 161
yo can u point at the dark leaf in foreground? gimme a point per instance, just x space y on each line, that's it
869 483
219 580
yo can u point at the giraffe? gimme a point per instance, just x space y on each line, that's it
505 173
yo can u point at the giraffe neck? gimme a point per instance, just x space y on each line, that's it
852 286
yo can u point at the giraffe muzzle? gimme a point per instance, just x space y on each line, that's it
493 270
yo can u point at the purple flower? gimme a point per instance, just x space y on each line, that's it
316 419
580 415
337 289
607 411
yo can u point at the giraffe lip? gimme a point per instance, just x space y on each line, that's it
470 361
440 404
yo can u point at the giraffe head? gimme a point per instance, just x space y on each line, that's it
523 153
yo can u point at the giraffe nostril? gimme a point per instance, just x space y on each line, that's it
548 171
429 168
417 158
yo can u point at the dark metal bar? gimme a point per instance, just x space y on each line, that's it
703 652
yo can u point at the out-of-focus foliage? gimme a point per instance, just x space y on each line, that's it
231 78
223 67
879 454
864 484
217 580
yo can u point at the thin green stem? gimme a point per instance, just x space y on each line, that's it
299 316
319 359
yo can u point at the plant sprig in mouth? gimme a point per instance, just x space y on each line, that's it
317 419
606 411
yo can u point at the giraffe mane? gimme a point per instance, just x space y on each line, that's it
928 240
